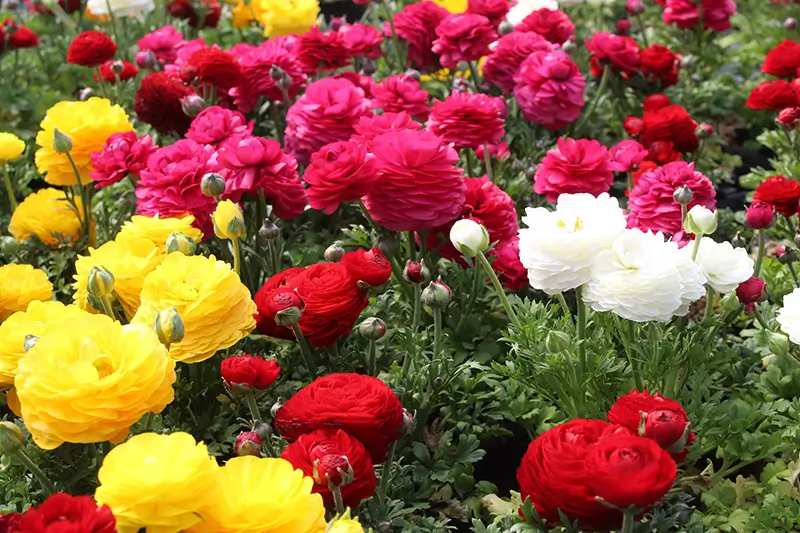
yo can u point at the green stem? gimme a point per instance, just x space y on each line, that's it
236 256
487 159
411 355
85 198
252 405
630 182
337 498
628 519
631 335
792 229
709 304
563 303
306 349
470 164
596 100
395 40
9 189
793 272
102 83
581 330
760 319
373 352
276 119
108 307
44 481
386 473
437 333
642 31
476 77
473 295
762 241
412 245
498 287
696 246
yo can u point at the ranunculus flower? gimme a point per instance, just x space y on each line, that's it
751 292
215 125
549 89
211 10
686 14
123 154
634 126
21 285
627 155
318 50
129 71
725 267
163 42
772 95
339 172
760 215
62 512
671 123
257 63
9 523
250 371
47 216
91 49
265 303
368 266
463 37
510 270
620 53
783 60
552 24
370 127
468 120
788 118
780 192
363 406
660 63
654 102
158 103
789 316
416 25
215 67
574 166
494 10
503 62
158 230
363 40
399 93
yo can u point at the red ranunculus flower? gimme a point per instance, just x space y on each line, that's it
783 60
368 266
620 53
22 37
773 95
339 172
510 270
552 24
62 513
249 371
503 63
463 37
264 298
215 67
751 292
789 117
327 448
362 40
634 126
654 102
416 25
319 50
780 192
183 9
671 123
91 49
494 10
363 406
660 63
760 215
128 72
9 523
399 93
468 120
158 103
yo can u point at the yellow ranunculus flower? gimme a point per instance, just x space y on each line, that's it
262 496
228 220
243 15
129 259
21 285
158 230
88 124
36 320
11 147
453 6
47 215
89 379
284 17
216 308
345 524
158 482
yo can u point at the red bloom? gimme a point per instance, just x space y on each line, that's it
574 166
322 51
249 371
9 523
634 126
494 10
468 120
368 266
552 24
401 93
623 27
660 63
783 60
751 292
510 270
620 53
257 64
463 37
673 124
215 67
774 95
416 24
370 127
789 117
247 443
339 172
158 103
264 299
323 452
62 513
128 72
21 37
760 215
654 102
184 9
91 49
780 192
363 406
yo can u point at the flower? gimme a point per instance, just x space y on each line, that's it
215 125
670 123
627 155
62 512
313 452
228 221
716 14
215 67
279 499
257 80
326 113
363 406
88 124
21 284
122 155
157 230
760 215
751 292
621 54
9 523
503 62
274 296
724 266
772 95
158 103
463 37
11 147
368 266
788 118
574 166
91 49
642 278
505 262
345 524
468 120
700 221
416 25
286 17
121 8
339 172
128 72
469 237
789 316
185 9
163 42
215 306
660 63
21 37
419 186
399 93
318 51
549 89
783 60
89 379
559 247
149 473
549 22
494 10
249 371
47 216
780 192
370 127
362 40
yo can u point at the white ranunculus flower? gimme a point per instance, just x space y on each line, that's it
724 266
558 247
789 316
700 220
641 278
523 8
469 237
121 8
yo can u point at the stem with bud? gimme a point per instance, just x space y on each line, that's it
85 198
373 351
395 40
628 519
236 256
337 498
696 246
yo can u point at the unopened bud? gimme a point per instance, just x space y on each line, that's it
212 185
701 221
778 343
412 73
683 196
276 73
786 255
268 232
30 342
372 329
557 341
273 411
530 172
790 23
635 7
760 215
337 23
178 242
62 144
146 59
262 429
9 245
85 93
247 443
409 423
505 28
517 165
687 62
285 82
334 253
228 221
469 237
288 317
704 131
739 241
368 68
117 66
386 243
100 283
436 295
333 470
569 46
168 326
192 105
416 272
623 27
11 438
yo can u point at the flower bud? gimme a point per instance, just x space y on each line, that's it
192 105
276 73
100 283
85 93
701 221
285 82
262 429
369 67
268 232
247 443
168 326
409 423
634 7
187 73
436 295
786 255
411 73
9 245
623 27
788 118
288 317
286 306
146 59
273 411
739 241
569 46
212 185
687 62
62 144
334 253
337 23
790 23
372 329
386 243
683 196
505 28
178 242
30 342
530 171
751 292
704 131
670 429
11 438
416 272
469 237
769 360
557 341
117 66
333 470
761 215
778 343
228 220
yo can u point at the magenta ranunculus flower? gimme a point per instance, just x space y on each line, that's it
419 186
362 40
463 37
651 204
496 151
285 191
123 154
340 172
257 63
416 25
620 53
170 185
685 14
163 42
401 93
552 24
247 163
320 50
550 89
370 127
627 155
503 63
468 120
574 166
327 112
215 125
494 10
505 262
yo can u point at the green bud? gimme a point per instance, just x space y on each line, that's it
469 237
288 317
558 341
212 185
334 253
169 326
178 242
101 283
436 295
62 144
778 343
700 221
268 232
11 438
372 329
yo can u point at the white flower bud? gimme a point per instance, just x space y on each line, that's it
469 237
701 221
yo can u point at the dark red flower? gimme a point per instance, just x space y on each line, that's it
773 95
215 67
264 298
9 523
620 53
249 371
128 72
368 266
660 63
552 24
91 49
22 37
318 50
780 192
247 443
62 513
634 126
751 292
416 25
158 103
789 117
783 60
185 9
760 215
671 123
654 102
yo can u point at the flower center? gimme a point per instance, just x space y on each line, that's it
577 225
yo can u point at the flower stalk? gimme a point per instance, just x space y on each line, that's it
761 249
498 287
37 472
9 189
308 356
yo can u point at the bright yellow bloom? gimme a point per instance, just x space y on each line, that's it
88 124
228 220
36 320
89 379
129 259
21 285
215 306
243 14
283 17
158 230
263 496
345 524
158 482
11 147
46 215
453 6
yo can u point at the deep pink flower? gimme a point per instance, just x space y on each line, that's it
416 25
362 40
327 112
163 42
463 37
552 24
320 50
497 151
340 172
183 50
574 166
627 155
370 127
401 93
550 89
468 120
257 81
685 14
494 10
620 53
247 164
419 186
506 263
503 63
122 154
365 83
651 204
214 125
285 191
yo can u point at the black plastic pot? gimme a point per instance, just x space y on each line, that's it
348 9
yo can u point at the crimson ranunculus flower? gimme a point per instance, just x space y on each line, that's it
760 215
751 292
550 89
510 271
502 64
128 71
634 126
780 192
494 10
660 63
463 37
257 63
716 14
789 117
773 95
249 371
574 166
22 37
362 40
158 103
62 513
91 49
468 120
370 127
215 67
620 53
368 266
671 123
184 9
552 24
9 523
783 60
318 50
363 406
654 102
416 25
401 93
340 172
325 448
265 302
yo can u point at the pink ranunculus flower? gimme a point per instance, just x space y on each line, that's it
552 24
416 25
246 164
362 40
123 154
497 151
550 89
318 50
163 42
340 172
505 262
651 204
401 93
494 10
370 127
183 50
257 63
574 166
327 112
365 83
419 186
170 185
502 64
215 125
463 37
285 191
627 155
685 14
620 53
468 120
